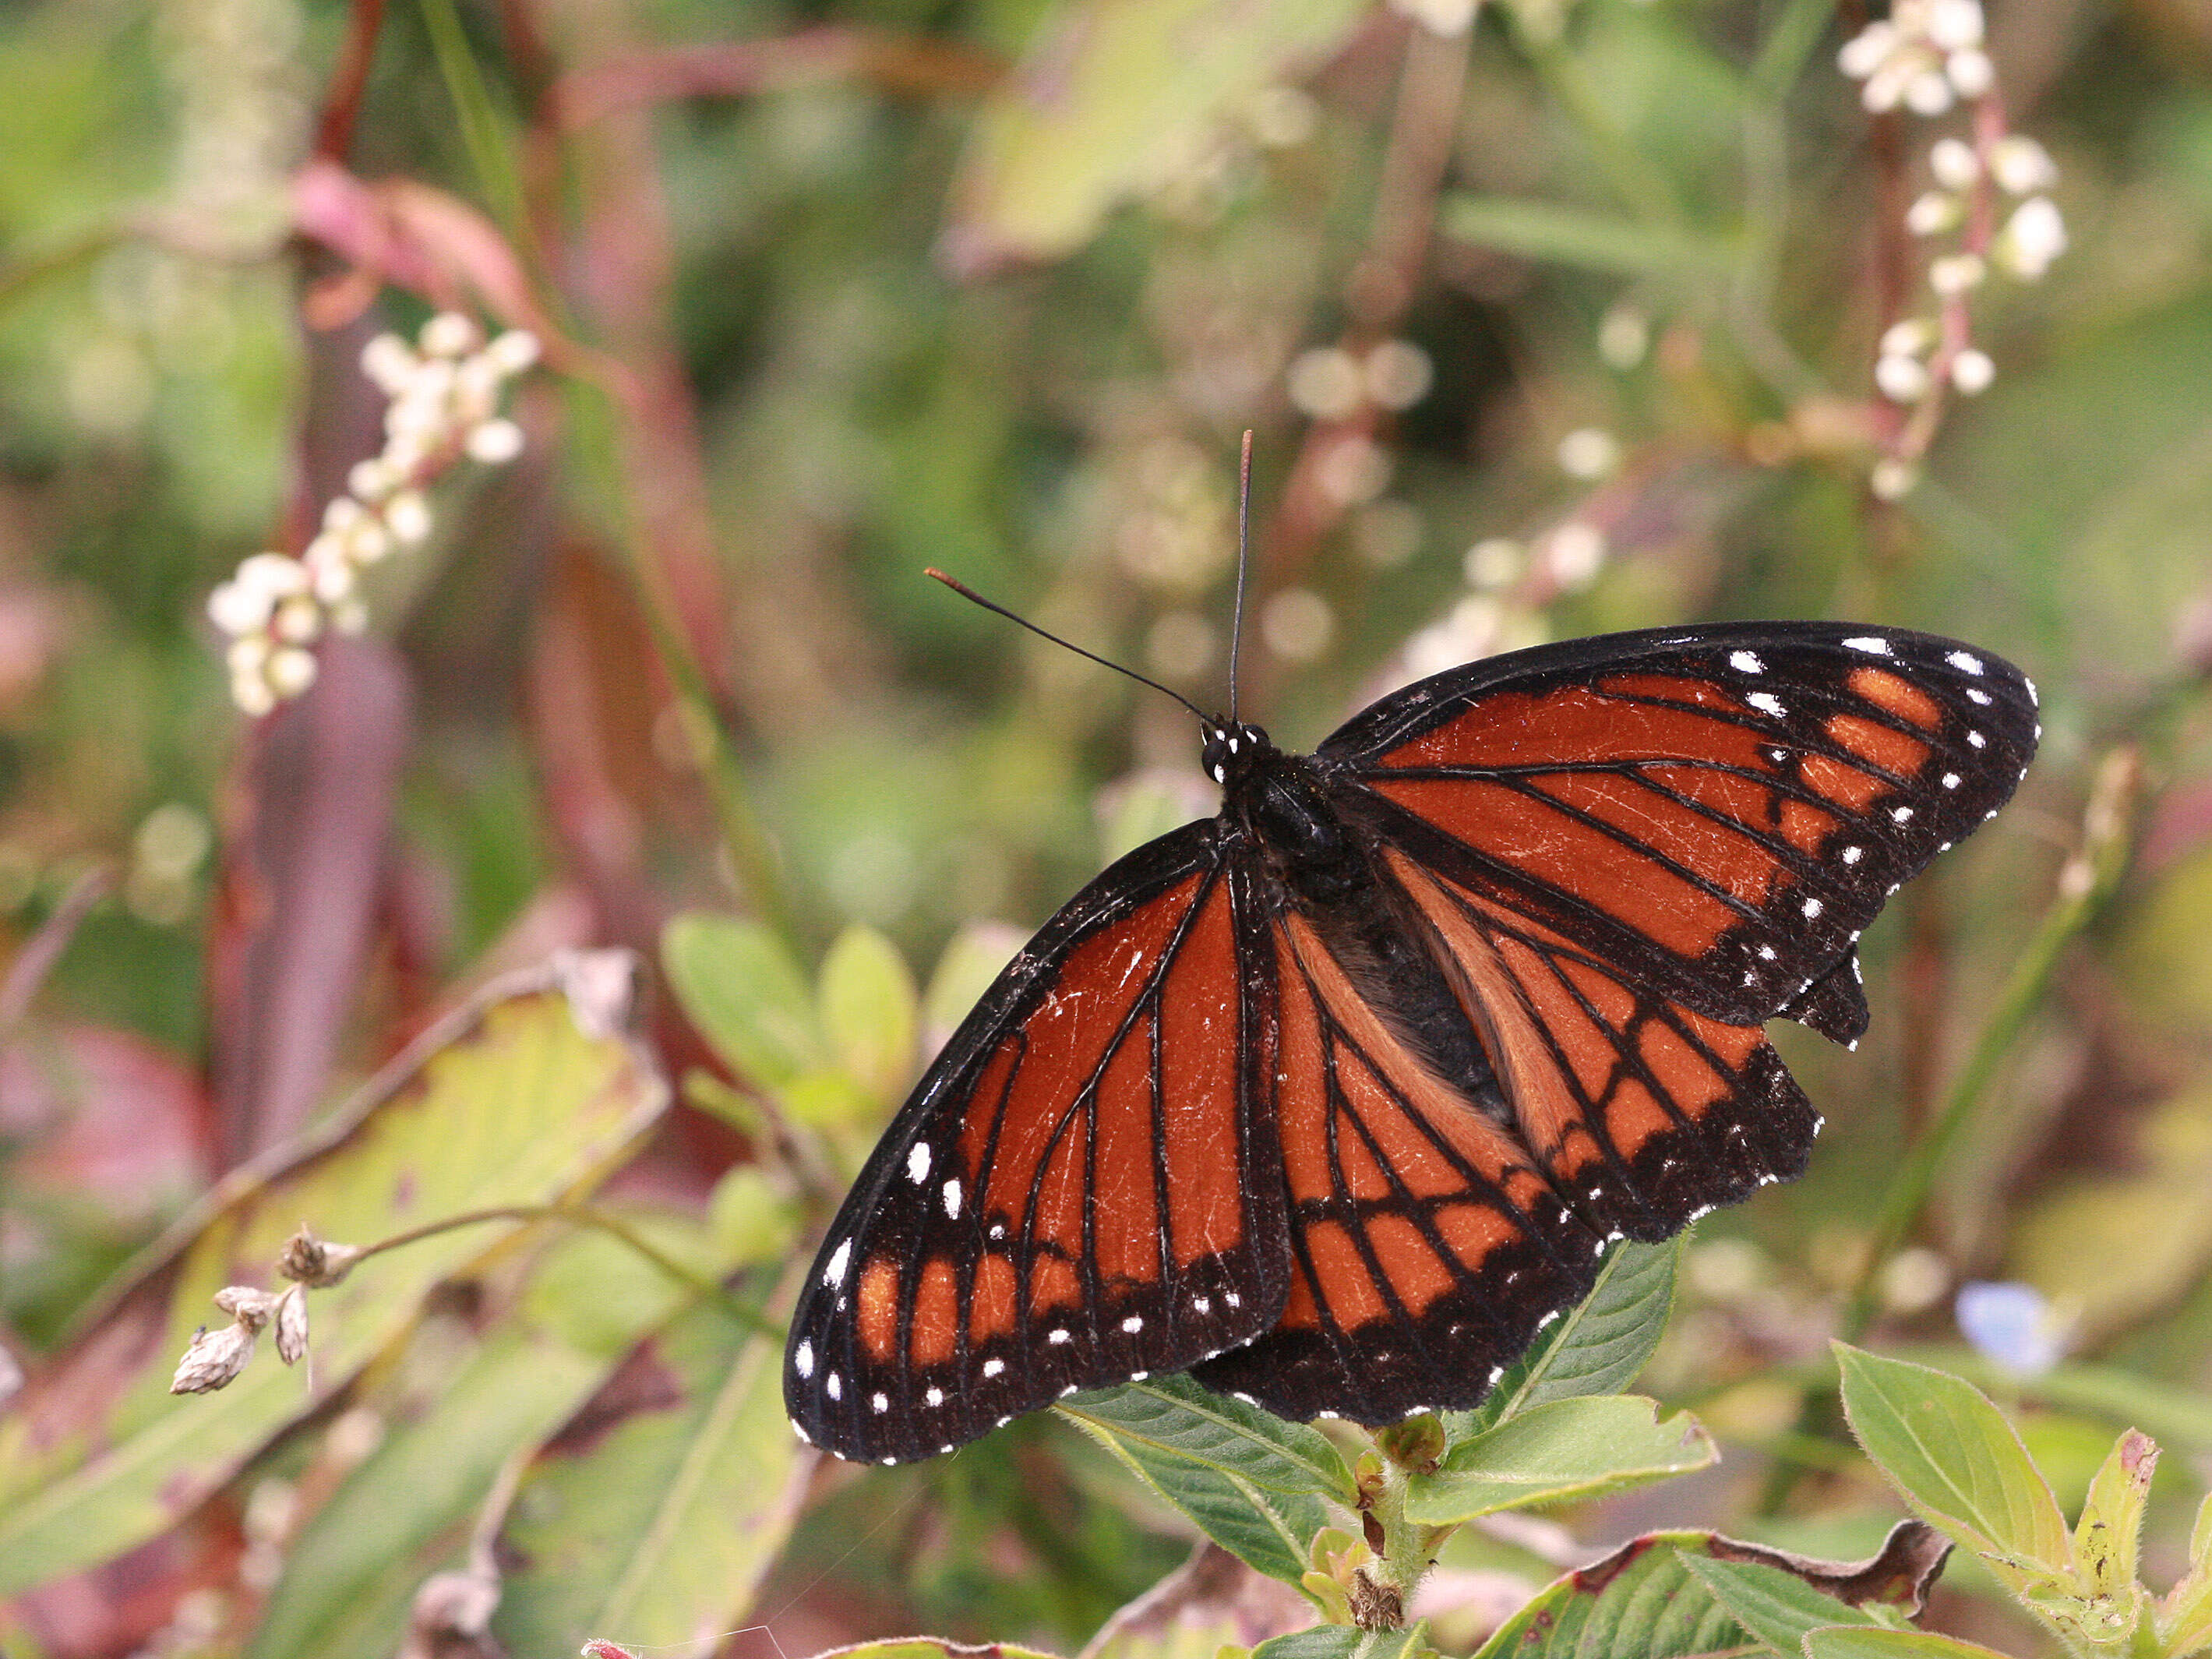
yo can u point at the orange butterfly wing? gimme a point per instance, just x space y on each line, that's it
1085 1187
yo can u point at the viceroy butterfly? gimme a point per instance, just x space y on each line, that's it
1334 1099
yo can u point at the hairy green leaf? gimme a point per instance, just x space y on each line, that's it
742 989
1569 1449
868 1011
1597 1346
1252 1482
1347 1642
1776 1606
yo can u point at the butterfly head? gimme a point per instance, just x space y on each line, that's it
1231 747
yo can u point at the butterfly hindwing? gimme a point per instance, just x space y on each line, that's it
1426 1250
1643 1112
1084 1186
1717 814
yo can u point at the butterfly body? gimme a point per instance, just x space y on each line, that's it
1335 1097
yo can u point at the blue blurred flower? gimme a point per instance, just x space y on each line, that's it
2013 1325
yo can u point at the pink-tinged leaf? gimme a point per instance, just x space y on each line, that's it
415 236
528 1098
101 1116
299 892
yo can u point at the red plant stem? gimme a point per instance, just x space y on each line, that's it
348 81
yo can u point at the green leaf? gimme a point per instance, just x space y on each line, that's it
1573 236
1252 1482
740 987
1569 1449
1114 98
1857 1642
978 954
1957 1462
1776 1606
1345 1642
2108 1536
663 1525
1597 1347
1640 1602
2185 1617
514 1102
351 1577
751 1217
869 1008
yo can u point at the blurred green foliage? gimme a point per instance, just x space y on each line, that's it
1558 316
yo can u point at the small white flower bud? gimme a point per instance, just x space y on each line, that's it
371 479
273 574
1954 25
291 671
292 1325
1955 273
1867 51
214 1360
1624 336
1885 87
297 620
307 1259
2032 238
476 386
333 580
1588 452
1893 479
1494 562
1927 93
449 334
1399 375
1971 371
1326 383
1908 339
1970 72
1933 213
1954 163
494 441
252 693
1902 379
350 616
238 607
389 362
407 515
247 656
2021 166
342 514
1575 554
368 541
434 381
513 352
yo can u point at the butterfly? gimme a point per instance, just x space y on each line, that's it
1336 1098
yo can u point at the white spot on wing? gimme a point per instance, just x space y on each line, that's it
1872 644
935 1396
952 1196
802 1360
1202 1304
1058 1336
1950 780
879 1403
917 1163
1767 703
1853 854
833 1386
1133 1323
1978 740
1975 694
1746 662
834 1273
992 1367
1901 815
1966 662
1813 908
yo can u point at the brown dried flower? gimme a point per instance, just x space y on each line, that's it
214 1360
292 1325
316 1262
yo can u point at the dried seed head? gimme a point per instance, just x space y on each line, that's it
292 1325
214 1360
249 1307
316 1262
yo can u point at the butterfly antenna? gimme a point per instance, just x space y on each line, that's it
1244 547
967 592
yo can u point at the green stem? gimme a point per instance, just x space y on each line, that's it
488 153
2084 884
586 1215
1642 187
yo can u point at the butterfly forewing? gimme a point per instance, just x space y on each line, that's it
1427 1250
1085 1187
1717 815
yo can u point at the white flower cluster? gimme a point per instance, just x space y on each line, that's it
1925 55
445 392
